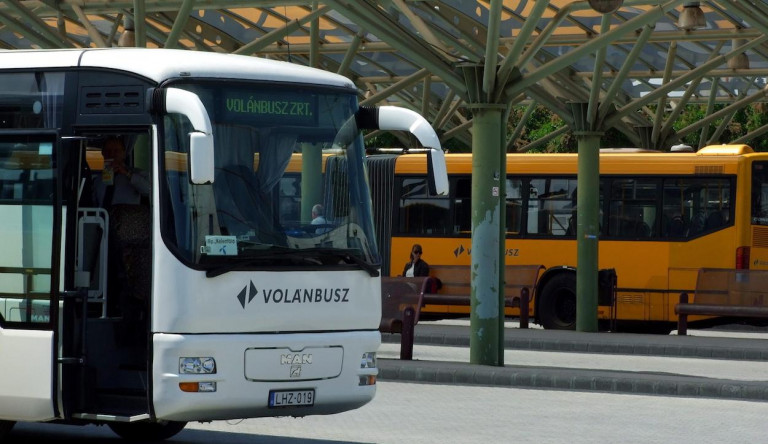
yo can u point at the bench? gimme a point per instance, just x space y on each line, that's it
725 292
400 301
456 287
403 298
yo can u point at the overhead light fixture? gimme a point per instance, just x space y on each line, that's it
128 37
692 17
605 6
739 61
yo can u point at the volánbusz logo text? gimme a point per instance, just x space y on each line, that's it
293 296
305 295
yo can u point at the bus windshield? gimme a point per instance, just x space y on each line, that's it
279 196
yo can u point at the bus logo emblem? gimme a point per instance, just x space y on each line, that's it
241 296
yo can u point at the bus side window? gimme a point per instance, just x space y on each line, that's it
676 226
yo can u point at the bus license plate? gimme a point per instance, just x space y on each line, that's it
291 398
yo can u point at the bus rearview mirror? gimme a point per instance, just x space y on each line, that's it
394 118
200 158
437 172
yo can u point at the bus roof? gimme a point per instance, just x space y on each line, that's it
163 64
723 158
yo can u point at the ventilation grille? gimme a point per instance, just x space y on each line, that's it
112 100
708 169
760 237
630 298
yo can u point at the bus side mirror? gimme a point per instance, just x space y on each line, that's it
188 104
437 172
402 119
201 167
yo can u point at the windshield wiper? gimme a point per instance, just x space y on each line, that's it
345 255
313 256
251 261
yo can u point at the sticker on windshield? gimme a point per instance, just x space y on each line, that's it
220 246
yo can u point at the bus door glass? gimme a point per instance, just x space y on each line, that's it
27 277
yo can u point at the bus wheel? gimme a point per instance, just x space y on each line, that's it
557 306
5 428
147 431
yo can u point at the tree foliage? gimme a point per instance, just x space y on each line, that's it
542 123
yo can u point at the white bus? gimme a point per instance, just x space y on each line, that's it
150 290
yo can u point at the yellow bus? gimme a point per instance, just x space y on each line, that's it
663 217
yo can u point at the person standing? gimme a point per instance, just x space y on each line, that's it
123 191
416 266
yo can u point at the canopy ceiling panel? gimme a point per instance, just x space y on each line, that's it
645 56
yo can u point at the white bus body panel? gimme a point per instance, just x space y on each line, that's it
186 301
242 318
333 373
170 63
26 385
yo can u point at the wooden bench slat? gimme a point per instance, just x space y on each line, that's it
721 310
403 297
725 292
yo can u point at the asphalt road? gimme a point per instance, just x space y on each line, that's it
431 413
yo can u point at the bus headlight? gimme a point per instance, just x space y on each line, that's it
197 365
369 360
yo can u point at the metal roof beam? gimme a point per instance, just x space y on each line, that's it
447 101
545 139
36 38
521 125
280 33
678 109
506 68
690 75
397 87
370 18
713 116
656 131
36 24
420 26
314 38
179 24
590 47
710 108
619 80
751 135
93 33
454 107
350 54
723 125
597 76
491 49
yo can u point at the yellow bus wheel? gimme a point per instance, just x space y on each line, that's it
557 303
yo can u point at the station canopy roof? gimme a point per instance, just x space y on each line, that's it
632 68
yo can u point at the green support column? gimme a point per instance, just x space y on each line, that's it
488 188
587 230
311 179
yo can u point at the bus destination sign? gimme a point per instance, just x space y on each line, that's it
279 108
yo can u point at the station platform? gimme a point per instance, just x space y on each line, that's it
713 363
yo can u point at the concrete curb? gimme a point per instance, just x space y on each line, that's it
602 343
626 382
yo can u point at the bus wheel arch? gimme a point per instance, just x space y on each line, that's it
147 431
556 299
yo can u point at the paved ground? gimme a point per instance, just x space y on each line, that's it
707 363
705 383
